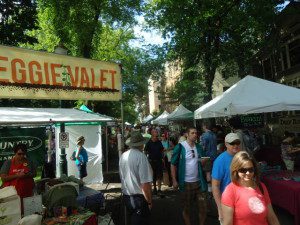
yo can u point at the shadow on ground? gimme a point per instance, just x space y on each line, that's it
167 209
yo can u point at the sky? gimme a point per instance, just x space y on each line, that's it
151 37
146 37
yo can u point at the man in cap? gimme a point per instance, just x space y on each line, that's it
136 178
81 158
221 169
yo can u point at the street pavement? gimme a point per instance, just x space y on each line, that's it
167 208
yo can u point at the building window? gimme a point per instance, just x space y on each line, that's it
294 49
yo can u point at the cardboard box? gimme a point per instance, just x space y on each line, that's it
33 205
10 206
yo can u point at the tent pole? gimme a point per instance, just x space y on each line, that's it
106 148
63 164
122 118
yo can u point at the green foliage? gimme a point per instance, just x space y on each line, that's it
16 17
78 23
213 34
101 30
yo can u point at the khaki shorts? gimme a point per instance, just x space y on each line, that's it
193 194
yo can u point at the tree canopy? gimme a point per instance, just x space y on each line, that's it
212 35
16 18
101 30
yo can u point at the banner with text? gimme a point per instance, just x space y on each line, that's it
33 138
28 74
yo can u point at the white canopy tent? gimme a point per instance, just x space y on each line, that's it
180 113
147 119
162 119
16 116
251 95
82 123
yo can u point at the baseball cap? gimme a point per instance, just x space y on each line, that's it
231 137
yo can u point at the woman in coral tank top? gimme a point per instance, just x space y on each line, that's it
245 200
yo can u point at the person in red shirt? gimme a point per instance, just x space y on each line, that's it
19 172
246 200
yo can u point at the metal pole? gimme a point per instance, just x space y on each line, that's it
122 125
106 148
63 164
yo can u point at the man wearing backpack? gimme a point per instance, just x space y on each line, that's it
187 162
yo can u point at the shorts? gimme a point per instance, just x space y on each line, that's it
191 193
157 167
82 170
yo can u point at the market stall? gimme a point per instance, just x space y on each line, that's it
251 95
284 191
180 113
180 118
147 119
161 119
77 123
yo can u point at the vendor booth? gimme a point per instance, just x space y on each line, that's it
180 118
161 119
45 75
147 119
180 113
251 95
77 123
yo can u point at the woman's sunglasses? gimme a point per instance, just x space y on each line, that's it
245 170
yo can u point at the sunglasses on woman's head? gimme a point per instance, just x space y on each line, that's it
245 170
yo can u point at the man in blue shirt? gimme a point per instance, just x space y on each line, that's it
209 145
209 141
221 169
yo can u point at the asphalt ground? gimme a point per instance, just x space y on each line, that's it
167 208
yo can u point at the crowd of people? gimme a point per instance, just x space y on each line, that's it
221 161
195 163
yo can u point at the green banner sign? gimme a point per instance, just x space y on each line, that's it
33 138
252 120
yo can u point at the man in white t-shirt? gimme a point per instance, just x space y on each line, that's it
187 162
136 178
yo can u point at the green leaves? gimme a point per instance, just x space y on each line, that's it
213 34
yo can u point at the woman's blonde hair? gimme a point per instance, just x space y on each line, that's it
238 162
